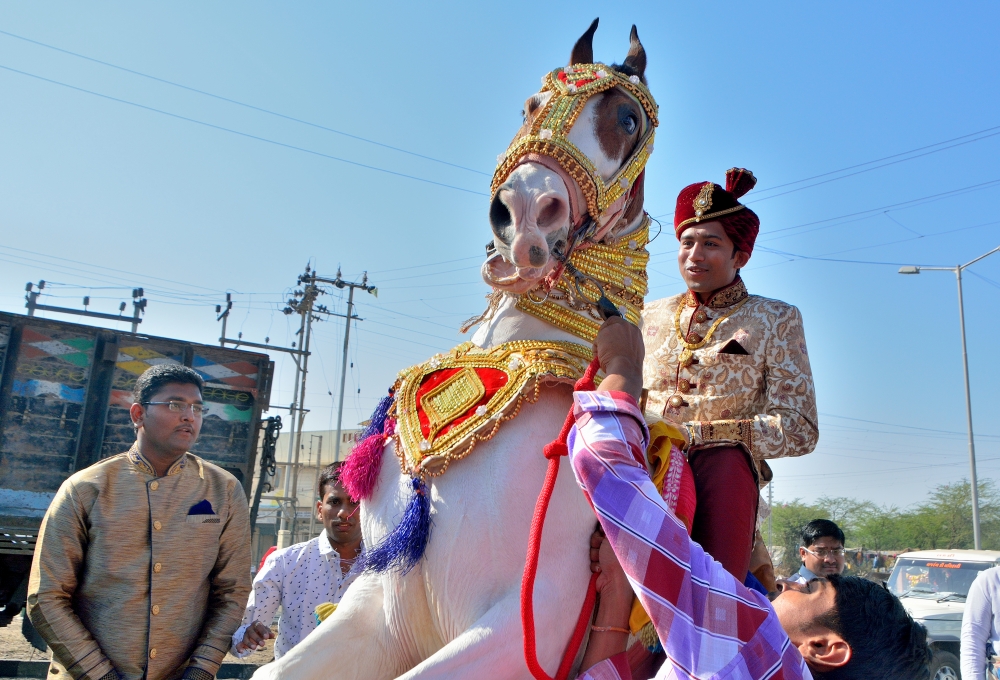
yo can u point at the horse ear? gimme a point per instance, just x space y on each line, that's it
636 59
583 50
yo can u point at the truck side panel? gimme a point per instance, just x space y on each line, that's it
65 393
42 416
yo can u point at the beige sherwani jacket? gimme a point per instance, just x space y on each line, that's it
141 574
734 370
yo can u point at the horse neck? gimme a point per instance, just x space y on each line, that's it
509 323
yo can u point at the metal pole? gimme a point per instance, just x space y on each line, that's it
770 516
968 411
319 468
343 371
307 300
291 433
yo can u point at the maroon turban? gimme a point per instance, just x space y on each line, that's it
708 202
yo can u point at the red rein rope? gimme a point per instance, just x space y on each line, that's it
553 451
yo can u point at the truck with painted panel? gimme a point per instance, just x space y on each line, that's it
65 393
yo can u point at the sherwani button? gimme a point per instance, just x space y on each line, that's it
693 338
676 401
683 386
156 609
157 567
154 485
152 653
700 316
157 525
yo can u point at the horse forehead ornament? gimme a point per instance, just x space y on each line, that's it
547 141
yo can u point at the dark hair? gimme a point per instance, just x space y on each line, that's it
886 643
329 475
154 379
821 528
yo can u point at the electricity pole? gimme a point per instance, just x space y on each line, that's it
340 283
303 303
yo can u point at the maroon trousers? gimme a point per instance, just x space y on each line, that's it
726 515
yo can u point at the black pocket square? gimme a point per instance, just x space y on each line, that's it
733 347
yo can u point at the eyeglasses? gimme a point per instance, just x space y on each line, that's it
823 553
178 406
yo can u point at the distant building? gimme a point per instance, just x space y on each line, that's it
316 451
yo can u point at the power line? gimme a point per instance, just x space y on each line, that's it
908 427
993 132
909 203
242 134
824 258
876 167
243 104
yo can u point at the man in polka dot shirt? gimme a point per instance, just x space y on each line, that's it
303 576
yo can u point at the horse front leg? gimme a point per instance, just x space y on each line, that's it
493 646
354 643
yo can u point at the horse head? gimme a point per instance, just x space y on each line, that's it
573 174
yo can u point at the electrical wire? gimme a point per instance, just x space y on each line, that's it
243 104
243 134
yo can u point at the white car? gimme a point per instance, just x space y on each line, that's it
932 585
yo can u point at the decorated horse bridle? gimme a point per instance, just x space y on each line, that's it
619 264
547 141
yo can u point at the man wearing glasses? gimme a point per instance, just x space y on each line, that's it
821 552
142 567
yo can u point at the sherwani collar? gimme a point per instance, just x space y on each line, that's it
138 460
722 298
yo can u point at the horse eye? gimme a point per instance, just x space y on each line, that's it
629 122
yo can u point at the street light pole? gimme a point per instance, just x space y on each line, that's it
976 535
968 414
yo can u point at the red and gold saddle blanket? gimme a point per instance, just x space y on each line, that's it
454 400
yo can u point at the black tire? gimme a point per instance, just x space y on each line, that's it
945 666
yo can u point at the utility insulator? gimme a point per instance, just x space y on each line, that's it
86 300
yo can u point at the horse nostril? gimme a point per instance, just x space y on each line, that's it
550 212
537 256
500 219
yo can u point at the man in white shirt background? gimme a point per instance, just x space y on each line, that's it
821 552
981 627
303 576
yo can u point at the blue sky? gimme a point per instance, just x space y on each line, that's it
137 182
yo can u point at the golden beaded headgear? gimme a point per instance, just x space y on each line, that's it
571 87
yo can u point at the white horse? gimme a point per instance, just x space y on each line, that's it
457 612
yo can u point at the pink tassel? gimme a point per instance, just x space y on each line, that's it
361 469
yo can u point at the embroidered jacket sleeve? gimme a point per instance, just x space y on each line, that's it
265 598
55 574
710 625
229 589
787 427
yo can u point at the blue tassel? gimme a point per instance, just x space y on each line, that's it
404 547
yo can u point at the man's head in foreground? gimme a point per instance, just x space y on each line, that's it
822 549
335 509
167 409
849 627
